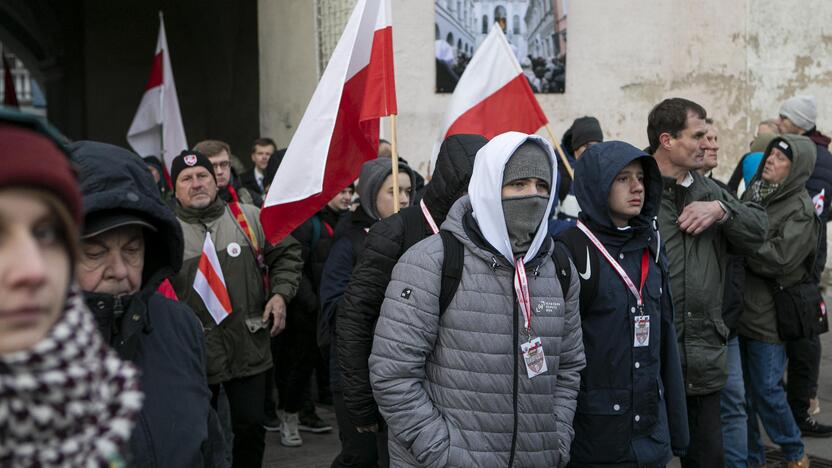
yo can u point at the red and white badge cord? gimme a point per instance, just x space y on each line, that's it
645 266
521 286
428 217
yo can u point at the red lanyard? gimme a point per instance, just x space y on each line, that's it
428 217
521 286
645 265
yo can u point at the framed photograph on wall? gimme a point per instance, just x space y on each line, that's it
535 29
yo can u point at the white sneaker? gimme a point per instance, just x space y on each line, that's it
289 433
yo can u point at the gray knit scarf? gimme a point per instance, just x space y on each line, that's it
69 400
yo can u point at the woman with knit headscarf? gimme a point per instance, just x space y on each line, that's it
65 398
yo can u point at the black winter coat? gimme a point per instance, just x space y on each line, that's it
385 243
348 244
303 310
821 179
176 426
631 405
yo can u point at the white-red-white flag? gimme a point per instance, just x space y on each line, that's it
492 95
209 282
339 130
157 127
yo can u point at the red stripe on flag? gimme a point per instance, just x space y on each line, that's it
155 78
380 95
353 142
511 108
215 282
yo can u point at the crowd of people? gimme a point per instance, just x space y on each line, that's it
503 313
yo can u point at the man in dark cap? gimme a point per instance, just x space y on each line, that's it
259 280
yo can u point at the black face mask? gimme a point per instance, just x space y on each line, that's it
523 216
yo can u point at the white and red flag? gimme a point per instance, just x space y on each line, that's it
157 127
339 130
209 282
492 95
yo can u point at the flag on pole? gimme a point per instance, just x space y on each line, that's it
10 94
209 282
492 95
157 127
340 128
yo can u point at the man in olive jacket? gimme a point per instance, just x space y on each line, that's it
698 222
238 347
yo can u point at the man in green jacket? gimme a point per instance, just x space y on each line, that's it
237 344
698 222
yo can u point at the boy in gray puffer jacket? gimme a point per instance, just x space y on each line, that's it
492 380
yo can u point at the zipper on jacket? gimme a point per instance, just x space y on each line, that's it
117 313
515 391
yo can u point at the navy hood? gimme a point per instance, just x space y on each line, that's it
113 179
594 175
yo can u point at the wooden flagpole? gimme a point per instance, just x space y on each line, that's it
395 157
560 153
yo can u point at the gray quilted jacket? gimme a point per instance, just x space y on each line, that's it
453 389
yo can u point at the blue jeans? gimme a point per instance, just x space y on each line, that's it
732 411
763 365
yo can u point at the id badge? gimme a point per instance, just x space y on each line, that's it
534 358
641 327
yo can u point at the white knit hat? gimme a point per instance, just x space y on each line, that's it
801 110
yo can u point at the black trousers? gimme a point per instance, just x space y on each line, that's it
803 373
358 450
297 354
245 402
705 449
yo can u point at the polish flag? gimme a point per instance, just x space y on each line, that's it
157 127
340 129
492 95
210 284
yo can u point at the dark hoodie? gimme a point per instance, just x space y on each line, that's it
162 337
387 241
346 248
621 381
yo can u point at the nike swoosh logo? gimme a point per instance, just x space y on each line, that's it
588 273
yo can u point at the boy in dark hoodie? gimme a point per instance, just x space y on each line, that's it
631 405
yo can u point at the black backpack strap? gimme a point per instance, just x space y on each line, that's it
451 268
562 269
414 226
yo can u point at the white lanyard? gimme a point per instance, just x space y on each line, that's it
521 286
618 269
428 217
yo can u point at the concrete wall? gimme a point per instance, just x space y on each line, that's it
739 59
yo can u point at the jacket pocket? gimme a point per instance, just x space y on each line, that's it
602 425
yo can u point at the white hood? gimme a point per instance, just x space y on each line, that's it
485 191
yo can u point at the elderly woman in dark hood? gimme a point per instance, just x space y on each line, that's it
67 399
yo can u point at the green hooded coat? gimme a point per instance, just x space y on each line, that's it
790 244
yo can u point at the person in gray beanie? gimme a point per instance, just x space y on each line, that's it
484 372
798 116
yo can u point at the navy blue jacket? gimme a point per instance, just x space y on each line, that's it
176 426
631 405
821 179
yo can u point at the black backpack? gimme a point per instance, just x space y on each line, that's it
455 256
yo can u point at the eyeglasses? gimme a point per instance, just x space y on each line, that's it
222 165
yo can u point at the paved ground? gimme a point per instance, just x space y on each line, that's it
319 450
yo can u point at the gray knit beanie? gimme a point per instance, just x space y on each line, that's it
528 160
801 110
